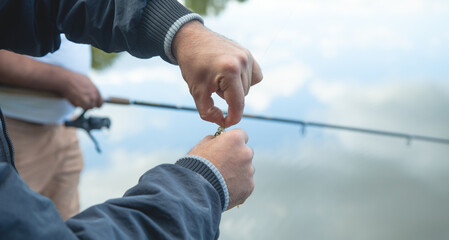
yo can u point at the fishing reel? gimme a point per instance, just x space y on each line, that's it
89 124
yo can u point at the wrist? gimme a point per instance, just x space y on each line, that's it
186 35
180 31
209 172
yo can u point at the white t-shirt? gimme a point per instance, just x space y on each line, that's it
48 110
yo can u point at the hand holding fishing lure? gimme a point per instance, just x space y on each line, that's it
210 64
231 155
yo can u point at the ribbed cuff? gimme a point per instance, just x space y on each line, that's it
207 170
172 32
161 19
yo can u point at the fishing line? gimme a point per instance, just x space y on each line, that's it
280 30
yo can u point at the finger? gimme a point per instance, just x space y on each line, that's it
243 135
246 81
235 98
99 100
256 75
220 93
92 101
88 106
208 112
247 75
85 103
249 79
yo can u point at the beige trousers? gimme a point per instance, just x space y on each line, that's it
49 160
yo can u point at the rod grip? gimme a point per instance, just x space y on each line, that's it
118 100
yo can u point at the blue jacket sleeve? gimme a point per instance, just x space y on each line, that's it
169 202
144 28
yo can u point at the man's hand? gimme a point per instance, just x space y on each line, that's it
211 63
233 158
24 72
80 91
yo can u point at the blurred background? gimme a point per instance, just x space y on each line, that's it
365 63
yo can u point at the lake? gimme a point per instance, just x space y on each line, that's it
361 63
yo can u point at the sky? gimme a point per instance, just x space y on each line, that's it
373 64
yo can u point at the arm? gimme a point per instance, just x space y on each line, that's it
144 28
170 201
188 195
24 72
209 63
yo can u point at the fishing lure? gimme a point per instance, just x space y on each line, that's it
220 130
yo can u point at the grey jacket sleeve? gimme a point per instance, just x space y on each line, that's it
144 28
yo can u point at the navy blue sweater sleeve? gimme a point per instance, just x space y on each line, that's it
141 27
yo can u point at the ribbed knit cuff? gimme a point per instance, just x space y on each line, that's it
161 20
207 170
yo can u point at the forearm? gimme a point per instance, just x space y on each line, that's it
24 72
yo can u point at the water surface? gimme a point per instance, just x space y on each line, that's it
374 64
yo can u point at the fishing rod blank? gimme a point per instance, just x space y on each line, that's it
304 124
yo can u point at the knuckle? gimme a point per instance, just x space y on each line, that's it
195 91
233 136
244 134
204 116
233 121
248 153
256 79
243 58
232 65
237 134
251 186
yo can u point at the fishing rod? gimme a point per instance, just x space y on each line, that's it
96 123
303 124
